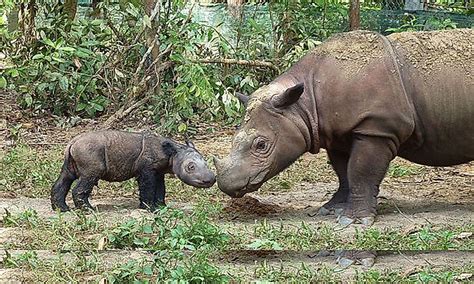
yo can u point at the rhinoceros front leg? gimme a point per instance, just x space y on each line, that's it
338 201
160 191
368 163
149 184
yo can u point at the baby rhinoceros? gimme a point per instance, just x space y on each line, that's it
119 156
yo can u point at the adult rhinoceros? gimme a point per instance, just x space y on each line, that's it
365 98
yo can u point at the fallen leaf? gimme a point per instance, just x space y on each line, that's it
102 243
77 63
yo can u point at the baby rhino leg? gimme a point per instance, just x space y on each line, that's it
147 185
82 191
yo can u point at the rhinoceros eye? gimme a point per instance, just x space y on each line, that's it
190 167
261 145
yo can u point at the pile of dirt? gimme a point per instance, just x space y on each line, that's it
250 206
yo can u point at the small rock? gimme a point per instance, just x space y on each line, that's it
463 276
463 235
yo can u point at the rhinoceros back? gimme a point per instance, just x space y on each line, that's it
108 155
438 72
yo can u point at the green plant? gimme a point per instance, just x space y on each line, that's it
28 218
28 259
396 170
169 229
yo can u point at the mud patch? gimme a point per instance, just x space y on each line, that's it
436 51
353 51
249 206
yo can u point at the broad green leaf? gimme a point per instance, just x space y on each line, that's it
3 82
42 86
49 42
38 56
96 22
67 48
28 100
13 72
148 270
182 127
97 106
58 59
63 83
147 229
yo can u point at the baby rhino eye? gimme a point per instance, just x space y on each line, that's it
190 167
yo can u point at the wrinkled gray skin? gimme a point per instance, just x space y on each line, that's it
362 116
119 156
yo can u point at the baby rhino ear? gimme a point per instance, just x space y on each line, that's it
168 147
190 144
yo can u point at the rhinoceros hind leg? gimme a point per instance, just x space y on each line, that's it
82 191
60 189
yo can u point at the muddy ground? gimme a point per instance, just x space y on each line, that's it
425 196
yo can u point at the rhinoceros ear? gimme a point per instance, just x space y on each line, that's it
169 148
242 98
288 97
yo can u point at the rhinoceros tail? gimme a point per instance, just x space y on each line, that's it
69 166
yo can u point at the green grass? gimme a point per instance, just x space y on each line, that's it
30 172
403 169
309 237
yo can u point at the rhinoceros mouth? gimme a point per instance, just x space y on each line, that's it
251 186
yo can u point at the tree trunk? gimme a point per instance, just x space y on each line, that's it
235 8
70 8
29 21
354 15
151 32
95 13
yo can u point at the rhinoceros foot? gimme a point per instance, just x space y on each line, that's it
61 206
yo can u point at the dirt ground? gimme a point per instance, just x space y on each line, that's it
435 197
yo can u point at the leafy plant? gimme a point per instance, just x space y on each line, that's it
168 230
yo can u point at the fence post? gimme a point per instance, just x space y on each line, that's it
354 15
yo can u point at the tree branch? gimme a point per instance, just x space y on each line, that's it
253 63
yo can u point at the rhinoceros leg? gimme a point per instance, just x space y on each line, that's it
338 201
368 163
60 189
147 187
159 197
82 191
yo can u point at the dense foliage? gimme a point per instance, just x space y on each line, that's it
100 61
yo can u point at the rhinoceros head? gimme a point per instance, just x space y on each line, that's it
189 165
268 141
